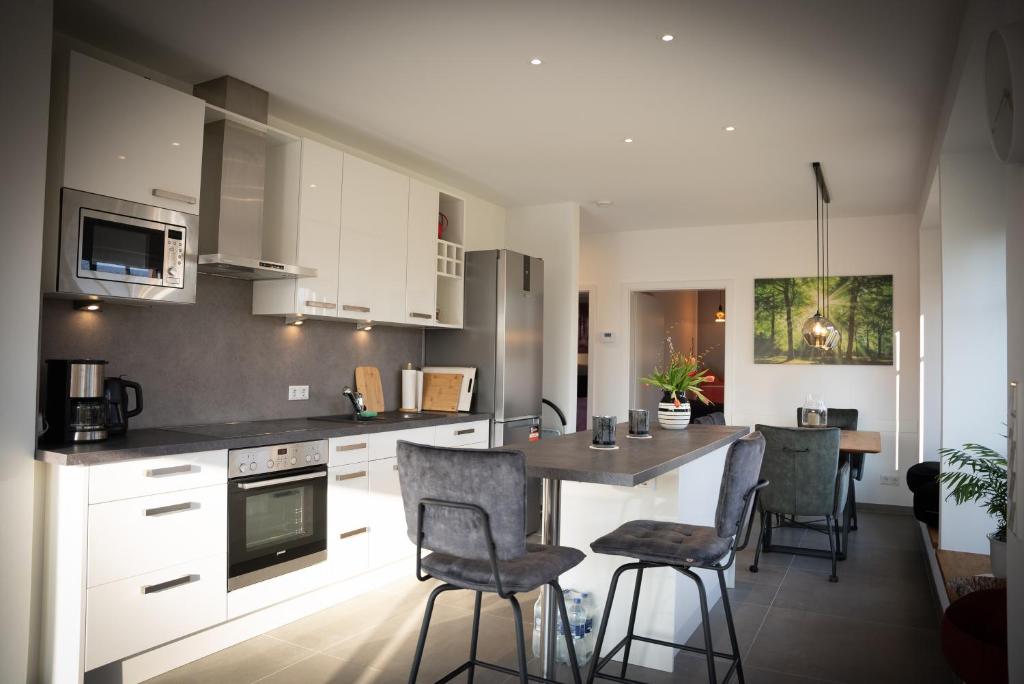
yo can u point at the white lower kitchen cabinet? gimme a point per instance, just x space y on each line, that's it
348 521
138 613
389 541
463 434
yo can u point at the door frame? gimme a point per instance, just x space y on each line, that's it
630 290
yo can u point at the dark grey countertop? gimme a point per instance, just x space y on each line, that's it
634 462
191 438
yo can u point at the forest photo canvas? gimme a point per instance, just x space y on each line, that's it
859 306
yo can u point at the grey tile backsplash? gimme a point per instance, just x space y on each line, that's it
214 361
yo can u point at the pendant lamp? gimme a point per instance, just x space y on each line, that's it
720 314
818 331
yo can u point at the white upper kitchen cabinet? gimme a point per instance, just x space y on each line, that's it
374 224
421 267
131 138
311 237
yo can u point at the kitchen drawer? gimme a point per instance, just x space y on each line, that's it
135 614
383 444
463 434
347 499
346 450
145 476
135 536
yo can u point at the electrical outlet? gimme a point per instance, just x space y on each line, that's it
298 392
890 480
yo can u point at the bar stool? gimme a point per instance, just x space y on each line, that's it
468 506
657 544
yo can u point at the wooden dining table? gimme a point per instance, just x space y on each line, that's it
855 442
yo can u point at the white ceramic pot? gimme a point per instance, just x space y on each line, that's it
997 553
672 417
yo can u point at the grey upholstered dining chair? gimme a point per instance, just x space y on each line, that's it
802 465
468 506
682 547
844 419
716 418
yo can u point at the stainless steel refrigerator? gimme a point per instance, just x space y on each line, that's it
502 337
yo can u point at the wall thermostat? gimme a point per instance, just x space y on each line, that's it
607 336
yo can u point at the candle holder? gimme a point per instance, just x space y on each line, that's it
639 424
604 433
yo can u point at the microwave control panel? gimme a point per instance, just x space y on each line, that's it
174 257
275 458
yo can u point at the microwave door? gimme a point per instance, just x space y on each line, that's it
117 250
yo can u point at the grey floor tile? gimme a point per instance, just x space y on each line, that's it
846 650
897 601
321 669
244 662
747 618
871 561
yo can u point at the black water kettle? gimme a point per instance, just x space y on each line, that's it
115 390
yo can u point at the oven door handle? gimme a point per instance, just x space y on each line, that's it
281 480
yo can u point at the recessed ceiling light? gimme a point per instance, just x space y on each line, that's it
121 157
536 61
175 144
729 129
312 185
668 38
604 203
627 140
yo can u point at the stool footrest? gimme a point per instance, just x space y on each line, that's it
490 666
732 657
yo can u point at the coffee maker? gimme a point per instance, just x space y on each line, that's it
75 407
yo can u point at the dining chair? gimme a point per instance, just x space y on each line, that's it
844 419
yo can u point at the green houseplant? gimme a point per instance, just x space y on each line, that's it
978 474
684 373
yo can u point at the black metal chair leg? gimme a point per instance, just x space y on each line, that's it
705 619
829 522
517 613
632 621
761 541
414 672
595 659
853 503
475 638
732 628
567 632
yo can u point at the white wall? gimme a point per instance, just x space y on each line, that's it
552 232
731 257
929 351
973 200
24 89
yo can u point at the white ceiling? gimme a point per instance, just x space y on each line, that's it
857 85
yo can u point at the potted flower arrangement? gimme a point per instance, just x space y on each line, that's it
684 373
979 474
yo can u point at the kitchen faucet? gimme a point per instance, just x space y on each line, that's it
356 398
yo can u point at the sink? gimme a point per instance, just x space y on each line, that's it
388 417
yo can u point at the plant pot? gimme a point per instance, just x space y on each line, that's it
672 417
997 553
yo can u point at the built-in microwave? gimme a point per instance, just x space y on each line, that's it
111 248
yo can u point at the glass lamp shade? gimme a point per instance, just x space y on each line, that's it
720 315
820 333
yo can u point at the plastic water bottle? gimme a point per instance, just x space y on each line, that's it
590 610
538 624
578 626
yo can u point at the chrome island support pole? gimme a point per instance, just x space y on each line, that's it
551 517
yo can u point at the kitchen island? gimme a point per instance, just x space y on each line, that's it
675 475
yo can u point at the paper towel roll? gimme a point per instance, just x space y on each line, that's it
410 380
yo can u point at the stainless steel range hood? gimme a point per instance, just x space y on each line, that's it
234 174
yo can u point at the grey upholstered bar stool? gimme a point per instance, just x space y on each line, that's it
468 506
657 544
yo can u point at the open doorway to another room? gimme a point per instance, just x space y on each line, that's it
583 370
692 322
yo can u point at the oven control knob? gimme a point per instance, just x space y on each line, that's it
316 455
270 464
293 461
241 467
308 458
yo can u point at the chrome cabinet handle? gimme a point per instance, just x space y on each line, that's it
351 476
176 196
353 533
172 470
416 314
170 584
350 447
467 431
281 480
353 307
320 305
173 508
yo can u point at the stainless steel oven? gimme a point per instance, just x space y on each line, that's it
113 248
277 510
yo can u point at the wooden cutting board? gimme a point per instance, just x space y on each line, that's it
441 391
368 384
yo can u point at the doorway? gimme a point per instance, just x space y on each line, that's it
584 373
686 321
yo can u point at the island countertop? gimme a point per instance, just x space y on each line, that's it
635 461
